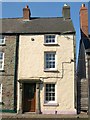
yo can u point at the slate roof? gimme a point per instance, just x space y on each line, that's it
37 25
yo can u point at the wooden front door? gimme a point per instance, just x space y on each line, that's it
29 97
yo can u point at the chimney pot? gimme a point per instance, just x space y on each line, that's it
83 5
65 5
27 6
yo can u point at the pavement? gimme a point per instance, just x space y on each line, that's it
31 116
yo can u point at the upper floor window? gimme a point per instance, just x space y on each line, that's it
50 60
50 39
1 60
2 40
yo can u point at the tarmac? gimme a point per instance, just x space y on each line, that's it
31 116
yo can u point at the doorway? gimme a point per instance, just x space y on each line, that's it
29 97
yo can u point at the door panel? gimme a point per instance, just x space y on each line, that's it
29 97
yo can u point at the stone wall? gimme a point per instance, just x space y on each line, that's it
7 75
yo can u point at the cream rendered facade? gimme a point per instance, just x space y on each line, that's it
31 68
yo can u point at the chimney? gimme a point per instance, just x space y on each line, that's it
26 13
84 21
66 11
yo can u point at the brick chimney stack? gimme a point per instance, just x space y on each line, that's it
84 21
26 13
66 11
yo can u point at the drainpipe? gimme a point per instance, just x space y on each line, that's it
15 73
38 98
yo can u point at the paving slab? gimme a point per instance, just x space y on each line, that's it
13 116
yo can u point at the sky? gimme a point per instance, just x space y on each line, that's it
45 9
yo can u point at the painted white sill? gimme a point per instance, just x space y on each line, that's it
50 70
50 44
1 70
1 44
51 104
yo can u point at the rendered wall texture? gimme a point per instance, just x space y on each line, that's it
31 65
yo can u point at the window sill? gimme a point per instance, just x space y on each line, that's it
51 104
48 70
2 70
1 103
2 44
50 44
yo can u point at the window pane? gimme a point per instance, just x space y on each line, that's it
53 98
1 39
50 92
49 36
53 40
0 64
50 60
47 41
50 39
1 55
49 98
46 98
46 37
1 60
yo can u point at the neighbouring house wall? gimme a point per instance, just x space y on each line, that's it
81 70
82 67
31 65
7 75
89 86
82 80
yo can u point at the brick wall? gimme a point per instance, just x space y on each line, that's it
84 21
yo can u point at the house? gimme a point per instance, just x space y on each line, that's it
44 64
83 69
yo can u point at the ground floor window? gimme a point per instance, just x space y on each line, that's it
0 92
50 93
1 60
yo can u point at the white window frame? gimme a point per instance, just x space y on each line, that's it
53 102
50 43
2 60
0 92
2 38
45 61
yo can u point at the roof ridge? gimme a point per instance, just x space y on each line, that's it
12 18
34 18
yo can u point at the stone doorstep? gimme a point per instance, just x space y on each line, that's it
14 115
